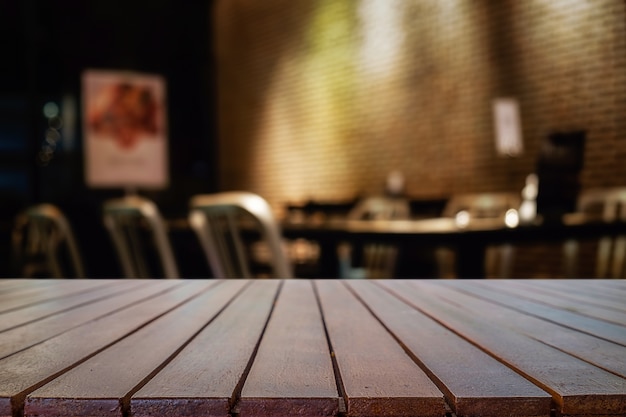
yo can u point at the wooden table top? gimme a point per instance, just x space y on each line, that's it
447 230
150 348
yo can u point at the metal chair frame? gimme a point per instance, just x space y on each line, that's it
378 259
216 220
43 229
121 217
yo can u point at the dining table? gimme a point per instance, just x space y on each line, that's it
469 241
312 347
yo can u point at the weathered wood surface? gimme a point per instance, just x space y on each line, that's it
33 292
475 383
204 379
110 376
292 373
378 376
581 293
151 348
48 308
27 370
22 337
577 387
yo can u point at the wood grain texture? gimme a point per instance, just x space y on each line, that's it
110 375
602 289
609 284
25 371
566 317
601 353
34 293
474 383
573 293
312 347
580 306
292 373
380 379
202 379
48 308
576 386
17 286
22 337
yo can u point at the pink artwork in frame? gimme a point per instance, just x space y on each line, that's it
125 130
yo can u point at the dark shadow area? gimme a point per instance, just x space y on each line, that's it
46 46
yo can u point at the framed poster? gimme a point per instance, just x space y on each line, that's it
124 130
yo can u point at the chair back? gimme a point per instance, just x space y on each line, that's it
376 260
381 208
220 221
40 236
482 205
129 220
608 205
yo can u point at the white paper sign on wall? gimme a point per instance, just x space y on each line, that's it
508 127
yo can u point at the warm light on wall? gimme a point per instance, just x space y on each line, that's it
310 97
382 35
321 99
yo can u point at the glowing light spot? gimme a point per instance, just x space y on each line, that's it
50 110
462 219
511 218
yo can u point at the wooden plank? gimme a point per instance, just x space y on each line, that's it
35 293
474 383
605 330
606 355
620 283
15 285
563 290
48 308
203 379
605 286
20 338
292 373
587 288
27 370
378 377
612 283
578 388
28 287
511 288
102 384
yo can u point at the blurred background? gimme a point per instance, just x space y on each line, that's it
312 100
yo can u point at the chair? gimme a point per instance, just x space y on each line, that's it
44 244
129 220
381 208
607 204
470 207
378 259
221 221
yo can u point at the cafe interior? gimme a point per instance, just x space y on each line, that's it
313 139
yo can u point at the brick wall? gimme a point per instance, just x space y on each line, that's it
322 98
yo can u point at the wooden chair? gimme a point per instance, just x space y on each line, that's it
467 208
608 205
221 221
44 244
128 220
